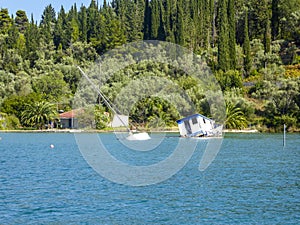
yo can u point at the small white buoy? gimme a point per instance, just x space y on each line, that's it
51 146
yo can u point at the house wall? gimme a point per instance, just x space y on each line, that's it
182 129
194 126
205 124
69 123
197 124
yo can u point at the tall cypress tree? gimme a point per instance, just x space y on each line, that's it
197 15
267 37
201 17
5 21
92 19
147 21
32 38
13 35
135 15
122 15
258 14
223 37
60 33
161 29
116 35
73 24
155 19
179 37
21 20
48 23
82 17
275 19
168 21
246 47
213 21
231 33
139 9
207 23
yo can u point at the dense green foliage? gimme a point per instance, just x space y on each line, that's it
38 113
248 44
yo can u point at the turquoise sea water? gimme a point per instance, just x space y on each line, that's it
253 180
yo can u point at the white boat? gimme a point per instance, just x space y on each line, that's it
198 125
119 120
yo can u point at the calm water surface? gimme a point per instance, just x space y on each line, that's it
253 180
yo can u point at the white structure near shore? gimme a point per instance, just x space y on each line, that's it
196 125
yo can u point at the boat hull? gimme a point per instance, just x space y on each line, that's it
139 137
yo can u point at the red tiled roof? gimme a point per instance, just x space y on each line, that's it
69 114
74 113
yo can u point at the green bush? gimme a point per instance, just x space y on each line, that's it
230 79
8 122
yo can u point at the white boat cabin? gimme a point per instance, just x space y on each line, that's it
196 125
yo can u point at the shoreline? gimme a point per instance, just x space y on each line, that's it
111 131
171 130
241 131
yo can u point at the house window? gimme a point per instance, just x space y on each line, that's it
187 127
194 120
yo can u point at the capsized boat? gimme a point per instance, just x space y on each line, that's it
198 125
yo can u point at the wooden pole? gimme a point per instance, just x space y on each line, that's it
284 134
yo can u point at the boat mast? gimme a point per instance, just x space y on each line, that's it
106 101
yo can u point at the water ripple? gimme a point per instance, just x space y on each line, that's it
252 181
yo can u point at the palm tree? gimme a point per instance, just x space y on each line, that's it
235 118
38 114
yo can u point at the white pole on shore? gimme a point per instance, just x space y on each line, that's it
284 134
